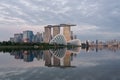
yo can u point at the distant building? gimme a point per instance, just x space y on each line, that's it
72 36
38 37
67 33
96 42
11 39
75 37
27 36
47 34
56 30
18 37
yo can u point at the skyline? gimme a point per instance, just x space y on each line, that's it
94 19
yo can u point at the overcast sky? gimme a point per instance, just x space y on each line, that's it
95 19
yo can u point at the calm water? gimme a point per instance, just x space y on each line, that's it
61 64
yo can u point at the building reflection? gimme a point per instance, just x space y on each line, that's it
52 58
104 47
56 61
47 58
56 57
67 59
28 56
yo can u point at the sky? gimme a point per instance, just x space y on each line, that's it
95 19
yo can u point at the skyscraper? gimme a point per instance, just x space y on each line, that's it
56 30
67 32
72 36
11 39
47 34
27 36
38 37
18 37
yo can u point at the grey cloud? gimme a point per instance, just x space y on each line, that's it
101 13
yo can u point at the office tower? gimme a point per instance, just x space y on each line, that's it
67 32
18 37
56 30
72 36
38 37
11 39
96 42
27 36
75 37
44 36
47 34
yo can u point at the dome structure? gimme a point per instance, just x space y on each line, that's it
59 39
75 42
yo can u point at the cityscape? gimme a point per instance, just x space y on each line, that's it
59 40
49 59
61 58
50 31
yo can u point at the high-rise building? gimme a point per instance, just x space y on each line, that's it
11 39
47 34
27 36
38 37
18 37
67 32
56 30
72 36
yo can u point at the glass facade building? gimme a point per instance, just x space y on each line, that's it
27 36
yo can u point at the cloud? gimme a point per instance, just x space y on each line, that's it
7 32
81 12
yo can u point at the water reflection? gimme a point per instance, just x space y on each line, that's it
92 63
62 57
27 55
52 58
100 48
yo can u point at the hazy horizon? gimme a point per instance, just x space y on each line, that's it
94 19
